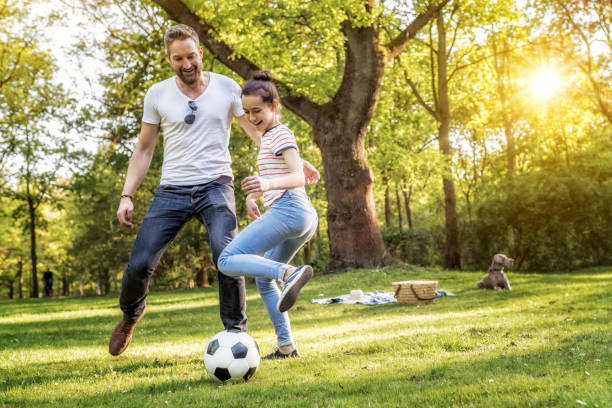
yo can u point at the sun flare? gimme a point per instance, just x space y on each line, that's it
545 83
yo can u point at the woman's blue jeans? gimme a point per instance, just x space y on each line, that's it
278 234
214 205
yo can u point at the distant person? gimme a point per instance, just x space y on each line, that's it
193 111
289 222
48 283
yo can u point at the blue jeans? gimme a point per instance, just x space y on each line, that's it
279 233
214 205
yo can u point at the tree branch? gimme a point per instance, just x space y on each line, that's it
416 93
397 45
178 11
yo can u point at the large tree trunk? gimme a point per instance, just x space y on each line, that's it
452 254
339 131
354 235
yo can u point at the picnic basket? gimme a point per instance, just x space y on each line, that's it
415 292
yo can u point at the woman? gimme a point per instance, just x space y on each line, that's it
289 222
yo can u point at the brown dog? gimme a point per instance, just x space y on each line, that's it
495 277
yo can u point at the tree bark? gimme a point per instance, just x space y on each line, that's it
202 274
20 277
66 286
399 207
308 251
32 214
452 254
354 235
407 197
387 207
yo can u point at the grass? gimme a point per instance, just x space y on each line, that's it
546 343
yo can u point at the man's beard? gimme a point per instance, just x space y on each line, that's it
192 78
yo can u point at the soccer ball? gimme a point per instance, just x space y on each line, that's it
231 356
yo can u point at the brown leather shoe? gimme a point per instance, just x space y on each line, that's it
121 337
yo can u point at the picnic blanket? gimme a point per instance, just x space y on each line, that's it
370 298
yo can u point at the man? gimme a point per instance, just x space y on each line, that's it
48 283
193 111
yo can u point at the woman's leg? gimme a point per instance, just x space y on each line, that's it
286 220
268 289
241 256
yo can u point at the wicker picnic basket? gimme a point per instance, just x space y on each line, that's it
415 292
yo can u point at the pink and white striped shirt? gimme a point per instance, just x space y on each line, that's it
270 159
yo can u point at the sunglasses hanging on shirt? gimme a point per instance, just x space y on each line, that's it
190 118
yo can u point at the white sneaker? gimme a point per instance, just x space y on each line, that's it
293 285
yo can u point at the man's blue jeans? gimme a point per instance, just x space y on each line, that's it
279 233
213 204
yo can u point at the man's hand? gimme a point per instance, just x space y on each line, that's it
252 207
255 185
311 175
125 212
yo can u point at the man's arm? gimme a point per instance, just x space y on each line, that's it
249 128
137 169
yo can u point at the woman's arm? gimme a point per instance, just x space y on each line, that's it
295 178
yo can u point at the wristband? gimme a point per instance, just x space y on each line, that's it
125 195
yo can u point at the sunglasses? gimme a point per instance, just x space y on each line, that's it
190 118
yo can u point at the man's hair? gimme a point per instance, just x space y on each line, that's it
180 32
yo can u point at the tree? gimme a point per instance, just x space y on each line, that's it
31 107
356 49
444 60
581 31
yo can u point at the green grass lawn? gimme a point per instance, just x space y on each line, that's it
546 343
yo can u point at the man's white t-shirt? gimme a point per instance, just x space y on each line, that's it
196 153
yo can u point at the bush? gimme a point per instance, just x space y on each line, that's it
416 246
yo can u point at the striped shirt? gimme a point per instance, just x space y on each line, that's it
270 159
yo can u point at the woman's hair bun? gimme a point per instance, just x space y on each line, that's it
261 76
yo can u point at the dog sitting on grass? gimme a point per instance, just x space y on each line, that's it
496 278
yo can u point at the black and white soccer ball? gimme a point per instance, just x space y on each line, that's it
231 356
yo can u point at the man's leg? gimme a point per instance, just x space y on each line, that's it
167 214
216 206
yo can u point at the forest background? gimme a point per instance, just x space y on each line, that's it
445 131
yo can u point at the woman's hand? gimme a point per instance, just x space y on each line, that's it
255 185
311 174
252 207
